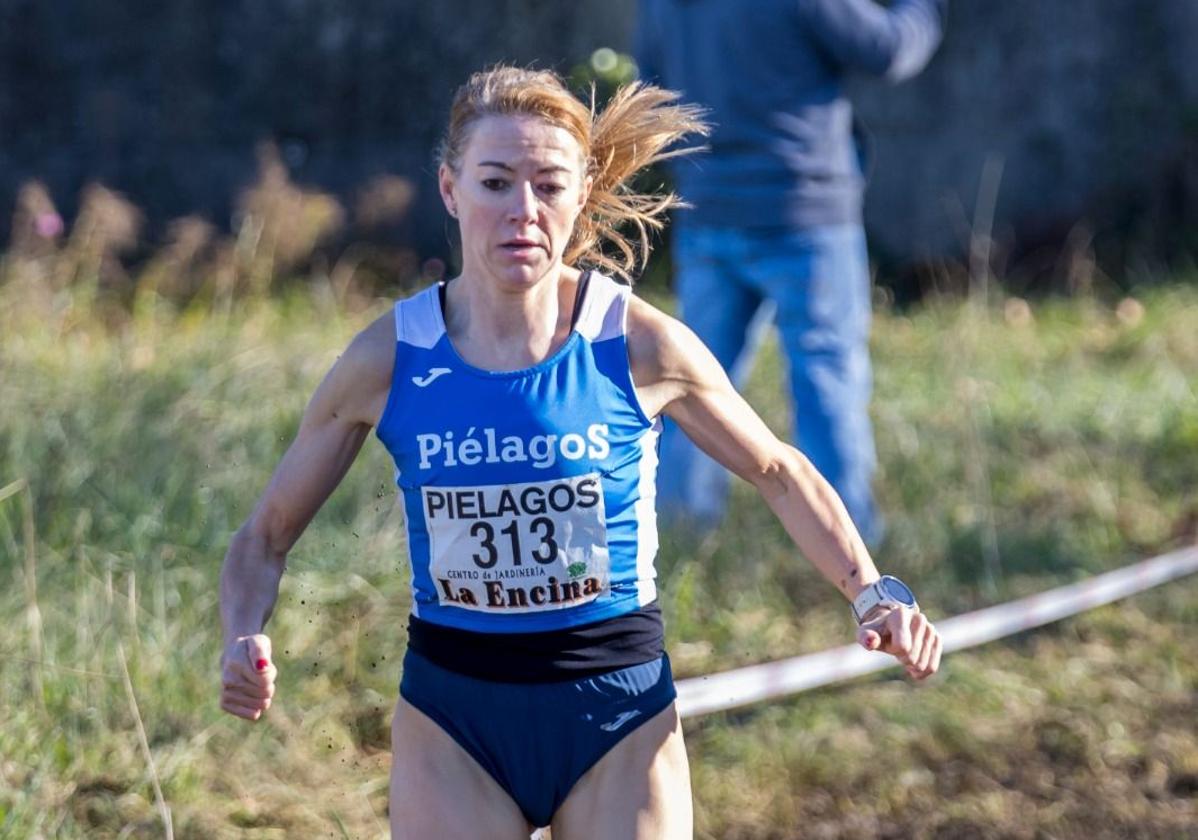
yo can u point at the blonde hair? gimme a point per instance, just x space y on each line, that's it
636 128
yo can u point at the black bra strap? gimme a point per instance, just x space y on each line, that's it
580 297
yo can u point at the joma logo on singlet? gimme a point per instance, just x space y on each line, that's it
489 448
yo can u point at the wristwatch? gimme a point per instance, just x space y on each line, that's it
886 591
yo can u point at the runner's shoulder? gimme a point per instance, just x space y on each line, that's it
361 376
659 345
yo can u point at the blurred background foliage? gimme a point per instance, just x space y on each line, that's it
282 234
1093 179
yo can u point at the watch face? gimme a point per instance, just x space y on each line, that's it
896 589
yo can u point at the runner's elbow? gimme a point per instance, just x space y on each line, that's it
269 532
783 471
771 477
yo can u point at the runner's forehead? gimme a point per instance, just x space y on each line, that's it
519 142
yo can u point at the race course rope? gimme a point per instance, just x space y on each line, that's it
752 684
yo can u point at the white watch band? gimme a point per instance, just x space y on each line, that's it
886 591
869 598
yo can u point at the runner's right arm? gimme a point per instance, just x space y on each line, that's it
335 424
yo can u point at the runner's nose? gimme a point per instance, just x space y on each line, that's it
524 204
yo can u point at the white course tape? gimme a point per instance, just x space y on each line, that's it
742 686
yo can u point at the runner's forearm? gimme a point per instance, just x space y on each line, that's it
816 519
249 584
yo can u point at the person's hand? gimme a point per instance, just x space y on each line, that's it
908 636
247 677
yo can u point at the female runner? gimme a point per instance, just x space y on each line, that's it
521 402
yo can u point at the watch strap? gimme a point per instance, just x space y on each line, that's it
875 595
869 598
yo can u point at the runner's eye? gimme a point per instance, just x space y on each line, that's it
494 184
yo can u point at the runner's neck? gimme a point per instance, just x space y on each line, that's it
499 331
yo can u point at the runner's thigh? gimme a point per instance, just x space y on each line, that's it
439 790
640 790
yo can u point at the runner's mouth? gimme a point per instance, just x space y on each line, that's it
523 253
520 244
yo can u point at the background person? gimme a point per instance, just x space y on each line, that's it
776 215
521 402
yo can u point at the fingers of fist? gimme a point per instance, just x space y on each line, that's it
247 677
909 637
922 657
243 706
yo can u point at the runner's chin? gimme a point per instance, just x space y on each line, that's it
523 264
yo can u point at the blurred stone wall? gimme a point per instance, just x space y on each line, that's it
1086 112
1080 120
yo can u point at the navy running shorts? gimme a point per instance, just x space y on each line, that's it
537 740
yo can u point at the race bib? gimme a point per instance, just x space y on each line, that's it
517 548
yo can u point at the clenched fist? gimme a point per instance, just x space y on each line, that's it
908 636
247 677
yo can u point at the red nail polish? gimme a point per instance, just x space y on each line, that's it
261 663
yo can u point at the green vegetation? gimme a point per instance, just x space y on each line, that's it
1020 448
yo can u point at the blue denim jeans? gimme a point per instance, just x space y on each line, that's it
814 283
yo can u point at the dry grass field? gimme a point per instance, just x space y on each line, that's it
1021 447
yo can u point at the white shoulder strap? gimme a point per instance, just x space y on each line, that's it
418 319
603 311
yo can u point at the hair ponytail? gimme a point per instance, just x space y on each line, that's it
636 129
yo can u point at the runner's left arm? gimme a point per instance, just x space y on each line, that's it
677 375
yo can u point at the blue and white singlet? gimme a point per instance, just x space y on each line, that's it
529 494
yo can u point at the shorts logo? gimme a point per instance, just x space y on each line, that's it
619 721
430 377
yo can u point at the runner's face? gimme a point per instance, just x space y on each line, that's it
519 191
